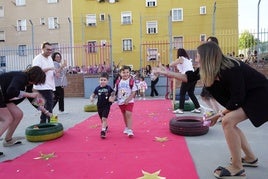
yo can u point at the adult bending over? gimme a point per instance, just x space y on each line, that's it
242 90
12 92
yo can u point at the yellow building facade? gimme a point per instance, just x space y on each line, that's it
141 32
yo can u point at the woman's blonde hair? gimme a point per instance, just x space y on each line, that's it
212 61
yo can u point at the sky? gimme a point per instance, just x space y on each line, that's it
248 15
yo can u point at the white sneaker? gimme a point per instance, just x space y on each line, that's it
125 131
62 112
196 111
130 133
178 111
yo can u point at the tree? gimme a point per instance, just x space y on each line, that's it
247 41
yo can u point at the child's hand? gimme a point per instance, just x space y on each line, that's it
91 99
112 99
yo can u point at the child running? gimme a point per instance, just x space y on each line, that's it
126 91
106 96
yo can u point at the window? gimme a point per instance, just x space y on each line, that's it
52 1
2 61
177 14
22 50
127 45
203 38
91 20
20 3
203 10
2 11
92 47
151 3
42 21
102 17
53 23
21 25
178 42
152 54
126 18
151 27
2 36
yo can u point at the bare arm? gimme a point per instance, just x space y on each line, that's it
163 71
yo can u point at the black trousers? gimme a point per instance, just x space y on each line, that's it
59 97
48 96
188 87
153 88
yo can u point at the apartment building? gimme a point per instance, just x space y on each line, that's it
25 24
140 32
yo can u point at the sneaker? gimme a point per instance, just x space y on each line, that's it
103 134
125 131
130 133
178 111
12 142
62 112
196 111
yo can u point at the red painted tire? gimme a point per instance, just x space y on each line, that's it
188 126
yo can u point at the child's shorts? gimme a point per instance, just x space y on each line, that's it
126 107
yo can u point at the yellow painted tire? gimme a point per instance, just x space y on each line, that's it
44 132
90 108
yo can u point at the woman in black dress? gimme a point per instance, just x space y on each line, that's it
14 88
242 90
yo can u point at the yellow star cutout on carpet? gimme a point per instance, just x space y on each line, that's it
155 175
45 156
161 139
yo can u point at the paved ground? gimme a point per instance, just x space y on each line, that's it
208 151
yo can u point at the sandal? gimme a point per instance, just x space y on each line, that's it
250 164
245 163
226 174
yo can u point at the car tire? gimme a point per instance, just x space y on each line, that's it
188 106
44 132
188 126
90 108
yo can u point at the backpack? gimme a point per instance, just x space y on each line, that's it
131 83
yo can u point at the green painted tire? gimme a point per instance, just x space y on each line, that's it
188 106
44 132
90 108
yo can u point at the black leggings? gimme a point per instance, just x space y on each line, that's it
153 89
188 87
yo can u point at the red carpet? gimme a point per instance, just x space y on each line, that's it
81 153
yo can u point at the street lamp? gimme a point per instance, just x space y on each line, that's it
258 32
32 36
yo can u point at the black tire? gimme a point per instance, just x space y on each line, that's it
188 126
44 132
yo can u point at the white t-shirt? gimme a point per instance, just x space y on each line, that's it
187 65
43 63
124 91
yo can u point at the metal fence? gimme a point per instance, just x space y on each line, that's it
151 52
